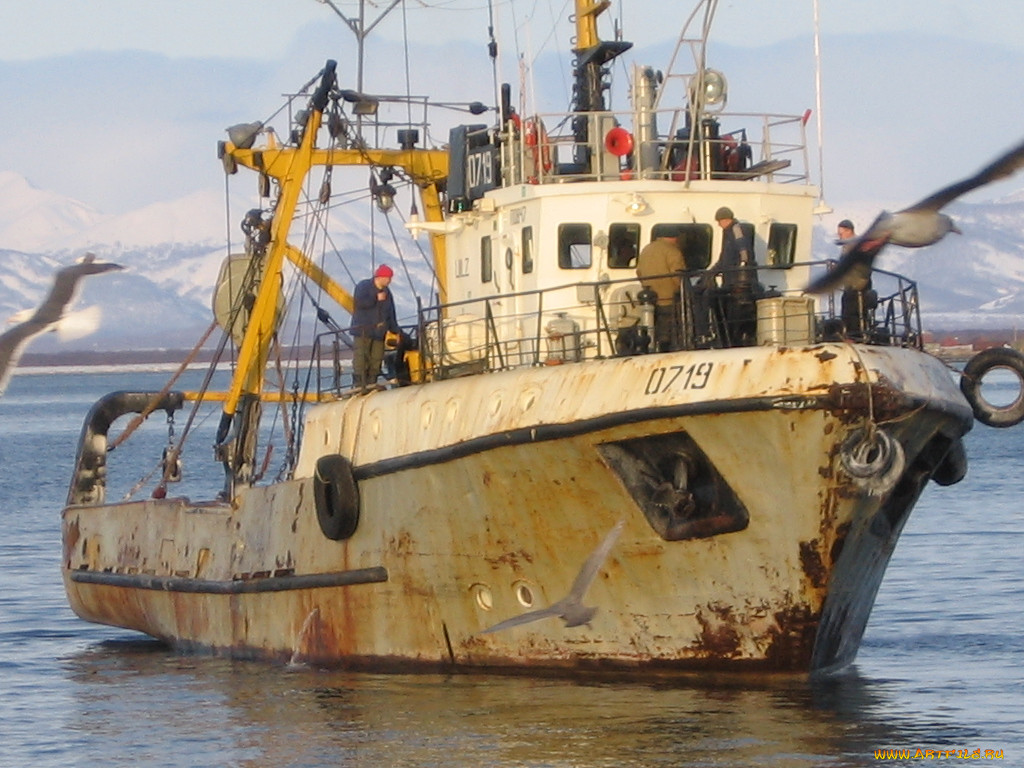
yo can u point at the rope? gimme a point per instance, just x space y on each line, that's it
871 424
137 420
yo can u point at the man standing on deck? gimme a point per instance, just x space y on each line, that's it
737 250
373 317
659 268
858 300
727 316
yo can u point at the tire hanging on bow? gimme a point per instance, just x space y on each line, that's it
983 363
336 497
872 459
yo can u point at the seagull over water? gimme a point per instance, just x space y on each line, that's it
914 227
570 608
49 313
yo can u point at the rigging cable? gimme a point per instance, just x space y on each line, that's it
398 252
137 420
227 236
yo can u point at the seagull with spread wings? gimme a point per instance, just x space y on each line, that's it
914 227
570 608
48 314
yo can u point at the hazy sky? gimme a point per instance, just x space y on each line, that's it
264 28
901 115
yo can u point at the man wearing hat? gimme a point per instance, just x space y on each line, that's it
859 299
373 316
737 250
729 309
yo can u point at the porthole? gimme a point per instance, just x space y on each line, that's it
482 595
524 594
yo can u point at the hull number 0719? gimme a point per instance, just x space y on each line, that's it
694 376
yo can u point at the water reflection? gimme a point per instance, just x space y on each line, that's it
174 710
940 666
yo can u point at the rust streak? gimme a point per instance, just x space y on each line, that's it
718 638
792 642
810 561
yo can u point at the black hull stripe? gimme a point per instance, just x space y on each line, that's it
240 587
543 432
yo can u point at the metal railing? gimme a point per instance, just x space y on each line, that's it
582 321
544 149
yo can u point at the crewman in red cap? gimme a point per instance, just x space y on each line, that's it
373 317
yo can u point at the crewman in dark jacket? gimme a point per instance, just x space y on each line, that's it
727 316
859 299
737 250
373 317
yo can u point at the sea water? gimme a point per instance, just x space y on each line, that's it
939 678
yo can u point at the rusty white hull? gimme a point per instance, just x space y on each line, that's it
481 498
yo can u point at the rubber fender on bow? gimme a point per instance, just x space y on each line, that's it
873 459
977 367
336 496
952 467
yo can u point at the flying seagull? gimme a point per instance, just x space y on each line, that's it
49 313
913 227
570 608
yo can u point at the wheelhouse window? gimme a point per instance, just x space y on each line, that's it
527 241
781 245
574 246
694 241
486 260
623 245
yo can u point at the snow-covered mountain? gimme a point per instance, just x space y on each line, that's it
31 217
142 138
972 280
172 252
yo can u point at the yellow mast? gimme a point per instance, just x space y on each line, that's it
290 166
586 23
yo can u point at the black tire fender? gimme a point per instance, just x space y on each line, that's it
336 496
970 384
873 459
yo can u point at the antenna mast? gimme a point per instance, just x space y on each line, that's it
822 207
360 30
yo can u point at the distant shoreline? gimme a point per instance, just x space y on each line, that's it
954 346
106 358
153 359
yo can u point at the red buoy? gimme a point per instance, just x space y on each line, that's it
618 141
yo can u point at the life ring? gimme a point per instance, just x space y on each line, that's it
536 138
336 497
873 459
618 141
970 384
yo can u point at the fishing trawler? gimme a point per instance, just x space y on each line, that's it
548 482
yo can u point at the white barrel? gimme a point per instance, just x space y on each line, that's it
786 321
